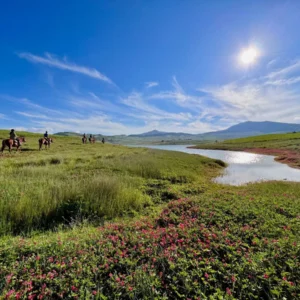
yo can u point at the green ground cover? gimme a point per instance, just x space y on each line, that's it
286 141
104 222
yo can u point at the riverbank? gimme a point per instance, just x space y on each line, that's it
285 147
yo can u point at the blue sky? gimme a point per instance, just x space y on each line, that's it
121 67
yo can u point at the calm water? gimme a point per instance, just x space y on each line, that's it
242 167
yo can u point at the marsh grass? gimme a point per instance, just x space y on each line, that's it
44 189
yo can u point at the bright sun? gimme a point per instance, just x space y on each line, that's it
248 56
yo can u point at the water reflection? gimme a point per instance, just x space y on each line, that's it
242 167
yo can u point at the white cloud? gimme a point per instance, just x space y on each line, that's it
180 97
136 101
52 61
284 81
284 71
31 115
273 97
151 84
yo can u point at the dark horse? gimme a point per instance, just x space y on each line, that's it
84 140
92 140
11 143
46 142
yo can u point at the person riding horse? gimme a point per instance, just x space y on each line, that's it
92 139
46 135
84 139
13 141
45 140
13 136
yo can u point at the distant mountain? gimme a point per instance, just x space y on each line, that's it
158 133
252 128
68 134
264 127
236 131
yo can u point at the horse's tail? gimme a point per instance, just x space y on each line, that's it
3 146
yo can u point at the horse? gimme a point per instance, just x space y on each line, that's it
83 140
92 140
46 142
12 143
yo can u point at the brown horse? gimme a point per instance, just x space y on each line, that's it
92 140
46 142
84 140
11 143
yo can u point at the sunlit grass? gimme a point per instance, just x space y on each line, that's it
71 181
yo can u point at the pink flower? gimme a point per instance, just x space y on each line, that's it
74 288
206 275
266 276
228 291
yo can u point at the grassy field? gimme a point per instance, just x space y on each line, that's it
111 222
71 182
285 146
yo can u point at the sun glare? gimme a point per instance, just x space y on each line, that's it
248 56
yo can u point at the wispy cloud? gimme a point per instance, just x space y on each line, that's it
284 71
179 95
284 81
136 101
52 61
151 84
31 115
273 97
28 103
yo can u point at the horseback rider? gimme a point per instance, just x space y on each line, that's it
84 136
13 136
103 140
46 136
91 136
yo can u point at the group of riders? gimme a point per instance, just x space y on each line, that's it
15 141
13 136
91 139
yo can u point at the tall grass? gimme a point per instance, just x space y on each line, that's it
41 190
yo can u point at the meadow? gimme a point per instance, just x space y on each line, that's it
113 222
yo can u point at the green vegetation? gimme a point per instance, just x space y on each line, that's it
71 181
103 222
290 141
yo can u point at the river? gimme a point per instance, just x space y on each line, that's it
242 167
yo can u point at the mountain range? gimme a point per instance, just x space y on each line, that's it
244 129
